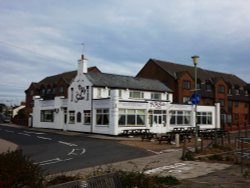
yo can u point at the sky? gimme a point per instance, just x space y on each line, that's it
39 38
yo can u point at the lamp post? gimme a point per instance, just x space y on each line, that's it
195 61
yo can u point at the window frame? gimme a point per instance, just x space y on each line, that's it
186 84
102 117
127 116
204 118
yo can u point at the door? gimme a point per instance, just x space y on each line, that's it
157 120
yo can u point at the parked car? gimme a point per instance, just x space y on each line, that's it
4 118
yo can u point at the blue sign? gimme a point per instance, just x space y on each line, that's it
195 98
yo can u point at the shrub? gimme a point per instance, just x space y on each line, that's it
61 179
167 180
138 180
215 158
189 155
17 170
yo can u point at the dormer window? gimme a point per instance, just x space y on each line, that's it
208 87
156 96
221 89
136 94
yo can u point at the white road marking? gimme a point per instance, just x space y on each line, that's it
52 161
164 168
9 131
74 151
164 151
31 132
24 134
155 152
44 138
66 143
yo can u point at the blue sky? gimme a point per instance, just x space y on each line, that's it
39 38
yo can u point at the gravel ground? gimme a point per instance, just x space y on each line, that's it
228 178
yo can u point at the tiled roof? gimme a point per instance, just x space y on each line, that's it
203 75
67 76
126 82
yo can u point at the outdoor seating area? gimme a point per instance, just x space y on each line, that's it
134 132
186 133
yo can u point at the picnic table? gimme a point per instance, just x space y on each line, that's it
134 132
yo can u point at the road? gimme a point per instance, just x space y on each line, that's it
60 153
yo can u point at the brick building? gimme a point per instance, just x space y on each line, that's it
227 89
50 87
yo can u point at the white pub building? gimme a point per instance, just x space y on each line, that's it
108 104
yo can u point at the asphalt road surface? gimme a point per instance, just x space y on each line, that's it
60 153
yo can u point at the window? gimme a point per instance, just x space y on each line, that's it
47 115
48 91
236 116
186 100
208 87
120 93
79 117
72 94
54 90
61 90
87 93
131 117
43 91
208 102
222 102
246 92
180 117
136 94
32 92
156 96
157 117
186 84
102 117
221 89
229 91
237 92
229 118
198 86
167 96
87 116
99 92
72 117
204 118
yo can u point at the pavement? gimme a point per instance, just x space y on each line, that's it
163 164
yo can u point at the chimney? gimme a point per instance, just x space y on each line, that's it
82 65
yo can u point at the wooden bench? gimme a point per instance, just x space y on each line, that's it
110 180
148 136
168 138
134 132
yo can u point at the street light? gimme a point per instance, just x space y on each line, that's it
195 61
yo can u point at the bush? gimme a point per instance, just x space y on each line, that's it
189 156
167 180
17 170
61 179
138 180
215 158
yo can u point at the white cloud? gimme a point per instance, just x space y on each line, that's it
44 37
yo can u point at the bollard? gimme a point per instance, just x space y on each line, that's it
177 140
